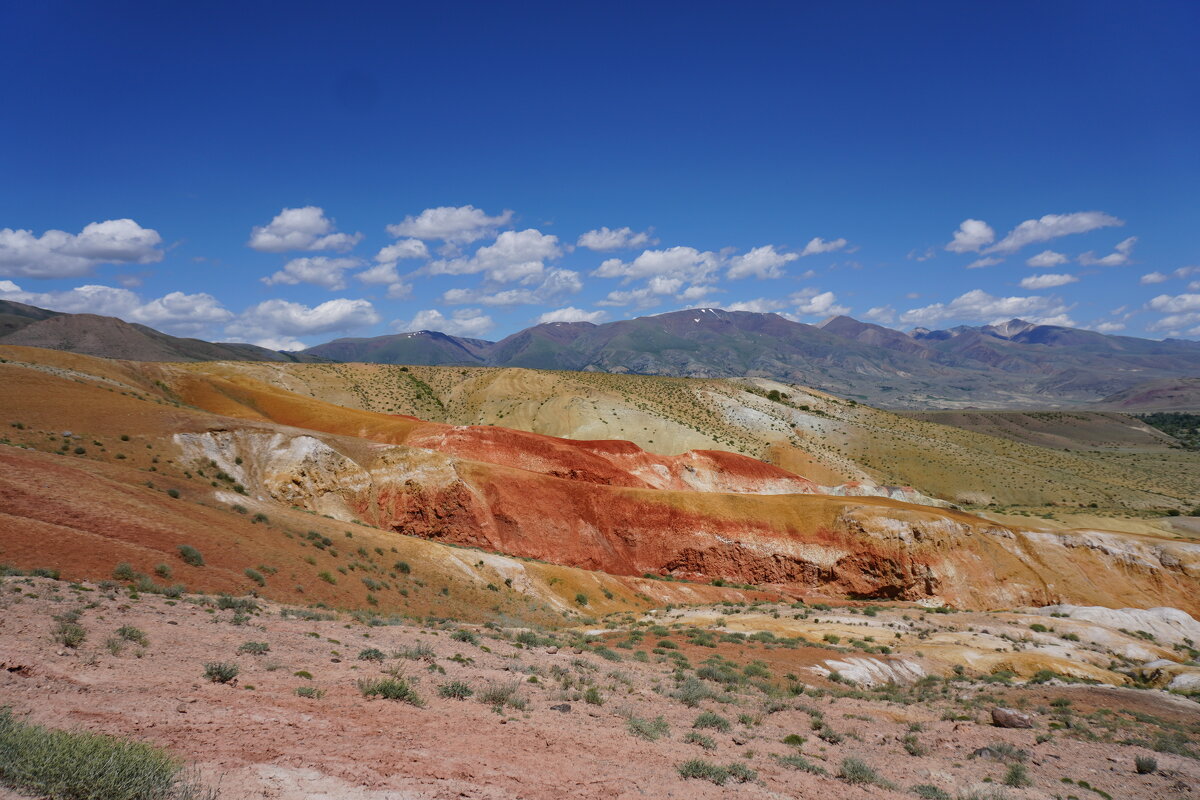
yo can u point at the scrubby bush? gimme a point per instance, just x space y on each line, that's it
132 634
649 729
710 720
76 765
254 648
456 690
1017 776
856 771
370 654
311 692
703 770
70 634
221 671
191 555
699 738
397 688
1145 765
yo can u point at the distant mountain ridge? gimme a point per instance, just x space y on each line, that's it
1015 364
109 337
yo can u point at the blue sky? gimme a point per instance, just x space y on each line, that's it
291 174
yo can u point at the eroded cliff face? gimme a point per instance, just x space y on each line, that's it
650 520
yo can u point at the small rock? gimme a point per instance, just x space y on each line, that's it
335 660
181 708
1010 718
739 739
172 622
551 650
563 707
577 650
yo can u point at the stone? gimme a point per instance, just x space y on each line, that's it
1010 718
563 707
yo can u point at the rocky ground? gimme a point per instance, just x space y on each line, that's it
614 711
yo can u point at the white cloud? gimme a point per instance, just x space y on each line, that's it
760 305
620 239
978 305
176 312
1047 281
972 234
815 303
1118 258
1182 312
1052 226
1108 327
556 284
273 319
317 270
686 263
697 292
817 245
459 225
884 315
58 254
1154 277
304 228
1047 258
514 256
638 298
405 248
470 322
986 261
380 273
571 314
761 262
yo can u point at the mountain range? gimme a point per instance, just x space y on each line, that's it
1010 365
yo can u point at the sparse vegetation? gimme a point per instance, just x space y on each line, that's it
191 555
221 671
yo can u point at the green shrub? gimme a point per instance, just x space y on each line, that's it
456 690
741 773
692 692
710 720
221 671
797 761
1145 765
699 738
76 765
327 577
163 571
370 654
173 494
581 599
649 729
132 634
1017 776
464 636
858 772
593 697
191 555
255 576
124 572
254 648
389 689
703 770
794 740
311 692
69 634
500 694
930 792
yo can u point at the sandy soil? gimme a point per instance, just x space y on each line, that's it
258 739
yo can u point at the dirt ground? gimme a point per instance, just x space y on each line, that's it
255 738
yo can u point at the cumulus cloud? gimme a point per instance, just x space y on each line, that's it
405 248
697 292
1047 258
1118 258
58 254
555 285
817 245
759 305
272 320
1107 327
457 225
761 262
1182 314
986 261
470 322
605 238
972 234
685 263
885 315
1154 277
175 312
304 228
515 256
1047 281
979 306
317 270
572 314
815 303
1053 226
